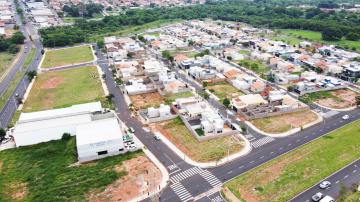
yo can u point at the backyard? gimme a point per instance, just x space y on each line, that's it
47 172
285 122
205 151
64 88
224 90
67 56
284 177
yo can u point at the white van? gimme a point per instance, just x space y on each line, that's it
327 199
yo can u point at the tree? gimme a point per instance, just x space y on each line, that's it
226 102
352 36
100 44
332 34
18 38
2 134
66 136
31 74
357 100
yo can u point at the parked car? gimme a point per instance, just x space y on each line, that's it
345 117
327 199
324 184
156 137
317 197
131 129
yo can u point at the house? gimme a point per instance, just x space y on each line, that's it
244 101
351 72
99 139
202 74
211 122
257 86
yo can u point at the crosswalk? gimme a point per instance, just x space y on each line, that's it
250 137
172 167
210 178
262 141
181 192
185 174
218 199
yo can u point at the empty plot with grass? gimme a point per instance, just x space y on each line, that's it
224 90
64 88
285 122
284 177
205 151
172 97
46 172
67 56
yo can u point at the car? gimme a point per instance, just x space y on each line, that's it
345 117
327 199
325 184
317 196
131 129
157 137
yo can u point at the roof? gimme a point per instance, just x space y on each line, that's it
98 131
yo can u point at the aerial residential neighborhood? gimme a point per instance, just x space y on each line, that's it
180 100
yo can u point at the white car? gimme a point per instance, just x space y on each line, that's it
317 196
345 117
324 184
327 199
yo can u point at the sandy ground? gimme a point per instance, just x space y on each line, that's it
344 98
143 177
147 100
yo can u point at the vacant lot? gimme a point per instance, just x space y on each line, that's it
46 172
64 88
146 100
67 56
285 122
284 177
339 99
254 65
205 151
224 90
139 171
171 98
5 62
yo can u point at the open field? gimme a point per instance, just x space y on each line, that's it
224 90
64 88
285 122
67 56
284 177
171 98
255 66
205 151
46 172
5 62
139 170
295 36
337 99
144 101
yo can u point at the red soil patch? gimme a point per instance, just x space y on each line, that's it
52 82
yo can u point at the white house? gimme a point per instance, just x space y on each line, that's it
211 122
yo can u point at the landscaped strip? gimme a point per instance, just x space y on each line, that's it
67 56
5 62
284 177
47 172
64 88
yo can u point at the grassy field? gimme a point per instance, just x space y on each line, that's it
285 122
134 29
171 98
64 88
224 90
282 178
205 151
44 172
255 66
353 196
5 62
295 36
312 97
67 56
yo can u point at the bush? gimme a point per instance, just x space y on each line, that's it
66 136
226 102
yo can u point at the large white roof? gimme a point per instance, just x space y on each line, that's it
98 131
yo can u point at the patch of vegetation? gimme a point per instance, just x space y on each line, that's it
300 168
223 90
312 97
67 56
200 132
6 59
244 52
254 65
29 57
45 172
172 97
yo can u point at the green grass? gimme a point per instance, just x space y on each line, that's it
6 59
67 56
296 36
134 29
284 177
244 52
10 89
255 65
172 97
352 196
312 97
70 19
29 57
224 90
43 172
64 88
205 151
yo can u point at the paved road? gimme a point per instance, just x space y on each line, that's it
347 177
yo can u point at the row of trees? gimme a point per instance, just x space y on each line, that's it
10 45
333 25
85 10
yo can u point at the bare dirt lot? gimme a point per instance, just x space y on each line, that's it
343 98
147 100
143 177
285 122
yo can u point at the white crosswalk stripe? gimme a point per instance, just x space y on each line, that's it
185 174
262 141
210 178
218 199
172 167
181 192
